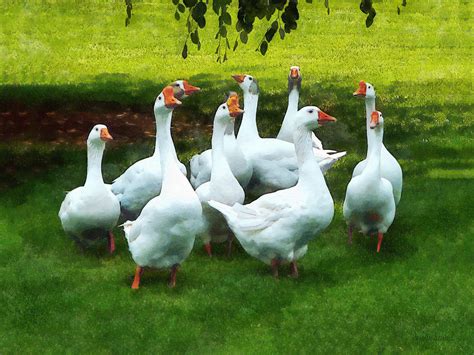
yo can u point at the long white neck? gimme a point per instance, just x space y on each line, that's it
156 153
95 151
310 176
220 166
248 129
286 130
372 169
171 175
369 108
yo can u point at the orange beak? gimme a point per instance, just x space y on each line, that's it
233 104
170 101
189 89
105 135
324 117
361 90
374 119
239 78
294 73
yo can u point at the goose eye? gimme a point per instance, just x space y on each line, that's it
310 111
223 107
250 78
159 98
97 129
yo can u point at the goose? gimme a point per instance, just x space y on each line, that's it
142 180
274 161
163 234
370 202
390 168
286 129
277 227
90 212
201 164
223 186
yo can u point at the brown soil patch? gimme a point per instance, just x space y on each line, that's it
64 126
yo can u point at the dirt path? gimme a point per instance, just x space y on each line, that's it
66 126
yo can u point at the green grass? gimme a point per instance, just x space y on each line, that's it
415 296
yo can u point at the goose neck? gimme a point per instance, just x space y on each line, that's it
286 130
372 169
248 129
95 151
310 175
168 160
219 161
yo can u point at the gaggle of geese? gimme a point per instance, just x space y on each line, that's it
165 212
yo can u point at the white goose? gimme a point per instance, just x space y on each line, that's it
369 204
90 212
201 164
287 127
274 161
390 169
142 180
163 234
277 227
223 186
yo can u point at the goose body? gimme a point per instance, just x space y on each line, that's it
201 164
389 167
277 227
163 234
142 180
369 205
274 161
223 186
90 212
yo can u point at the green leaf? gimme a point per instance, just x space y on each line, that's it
398 10
263 47
195 37
190 3
282 33
199 10
236 43
175 2
227 43
201 21
223 31
176 15
244 37
181 8
226 18
184 53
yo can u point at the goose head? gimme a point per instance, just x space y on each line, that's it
310 117
99 135
247 83
183 89
365 90
229 110
166 100
294 78
376 120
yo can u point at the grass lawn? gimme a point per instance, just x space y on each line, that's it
415 296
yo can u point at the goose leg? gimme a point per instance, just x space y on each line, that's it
208 249
136 280
230 239
379 244
275 265
174 270
349 234
294 270
111 242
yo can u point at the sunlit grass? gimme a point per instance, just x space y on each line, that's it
415 296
